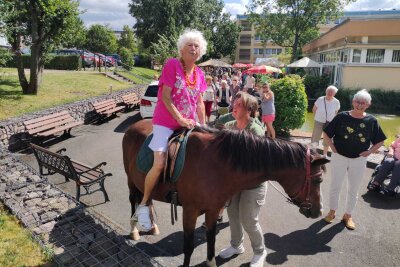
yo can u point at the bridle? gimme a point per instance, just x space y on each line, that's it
306 205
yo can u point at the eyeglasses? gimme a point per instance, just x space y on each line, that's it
362 103
235 80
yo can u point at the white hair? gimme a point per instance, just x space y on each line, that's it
194 36
224 82
332 88
362 95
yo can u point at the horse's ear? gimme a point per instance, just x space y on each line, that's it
319 161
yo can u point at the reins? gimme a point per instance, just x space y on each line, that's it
306 186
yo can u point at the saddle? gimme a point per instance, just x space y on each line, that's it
175 160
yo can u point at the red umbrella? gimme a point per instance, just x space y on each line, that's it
242 65
263 69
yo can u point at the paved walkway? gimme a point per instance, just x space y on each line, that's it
290 238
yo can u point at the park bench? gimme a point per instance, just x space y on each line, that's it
131 100
107 107
83 175
49 125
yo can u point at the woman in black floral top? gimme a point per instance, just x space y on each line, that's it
350 135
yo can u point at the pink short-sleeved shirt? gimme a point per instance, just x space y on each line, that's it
184 98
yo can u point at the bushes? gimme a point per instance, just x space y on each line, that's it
67 62
383 102
315 85
5 56
290 104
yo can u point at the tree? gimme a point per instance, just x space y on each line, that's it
101 39
127 40
164 48
168 18
126 58
40 24
293 23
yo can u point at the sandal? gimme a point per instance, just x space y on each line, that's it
348 222
373 187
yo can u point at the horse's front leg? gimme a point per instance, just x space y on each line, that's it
211 224
189 223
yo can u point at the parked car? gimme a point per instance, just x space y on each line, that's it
149 100
87 57
110 61
116 57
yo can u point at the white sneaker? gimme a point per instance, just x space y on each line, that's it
142 216
231 251
258 259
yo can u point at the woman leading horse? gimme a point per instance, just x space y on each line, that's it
230 162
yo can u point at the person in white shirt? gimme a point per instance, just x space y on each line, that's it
249 83
325 109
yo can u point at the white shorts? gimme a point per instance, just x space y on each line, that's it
159 143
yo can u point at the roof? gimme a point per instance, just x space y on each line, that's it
305 62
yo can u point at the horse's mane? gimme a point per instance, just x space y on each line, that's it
248 152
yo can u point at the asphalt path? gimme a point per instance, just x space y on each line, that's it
290 238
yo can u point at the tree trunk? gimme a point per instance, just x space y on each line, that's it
36 53
16 47
295 47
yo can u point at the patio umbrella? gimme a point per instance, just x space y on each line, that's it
215 63
242 65
262 69
305 62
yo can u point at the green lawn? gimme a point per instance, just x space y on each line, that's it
146 74
57 88
17 248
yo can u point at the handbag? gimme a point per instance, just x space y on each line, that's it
326 116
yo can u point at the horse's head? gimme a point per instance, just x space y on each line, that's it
308 198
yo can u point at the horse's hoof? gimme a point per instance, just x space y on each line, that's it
155 230
135 235
212 263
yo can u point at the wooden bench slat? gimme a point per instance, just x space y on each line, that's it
110 111
42 126
44 118
106 107
60 129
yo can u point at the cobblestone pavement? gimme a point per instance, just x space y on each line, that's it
60 224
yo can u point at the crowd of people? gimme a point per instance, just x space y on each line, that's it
187 97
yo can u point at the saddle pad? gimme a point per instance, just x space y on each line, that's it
145 158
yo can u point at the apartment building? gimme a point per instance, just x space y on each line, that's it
251 47
361 52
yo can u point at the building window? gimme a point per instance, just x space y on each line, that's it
244 54
396 56
245 39
375 55
258 51
246 25
356 55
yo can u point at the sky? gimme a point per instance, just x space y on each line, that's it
115 13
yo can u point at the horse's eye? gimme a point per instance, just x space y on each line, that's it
317 180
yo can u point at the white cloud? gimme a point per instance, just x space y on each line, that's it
112 12
373 5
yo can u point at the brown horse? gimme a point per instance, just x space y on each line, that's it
220 164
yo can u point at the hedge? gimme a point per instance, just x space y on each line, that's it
60 62
383 102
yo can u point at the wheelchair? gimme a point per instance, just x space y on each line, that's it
379 189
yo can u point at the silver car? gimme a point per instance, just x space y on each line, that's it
149 100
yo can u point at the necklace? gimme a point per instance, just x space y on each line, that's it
190 84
